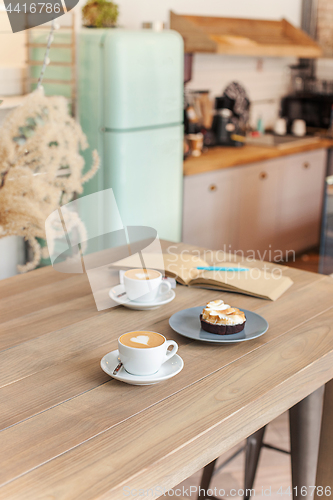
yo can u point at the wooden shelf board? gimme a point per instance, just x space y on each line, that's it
243 37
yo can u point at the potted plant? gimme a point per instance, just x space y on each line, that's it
100 14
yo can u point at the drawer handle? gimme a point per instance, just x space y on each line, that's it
306 164
263 175
213 187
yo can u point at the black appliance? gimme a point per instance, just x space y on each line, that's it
231 116
314 109
226 123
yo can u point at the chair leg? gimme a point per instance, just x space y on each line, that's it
252 454
305 424
325 458
206 478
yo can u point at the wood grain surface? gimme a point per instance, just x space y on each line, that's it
226 157
252 37
69 431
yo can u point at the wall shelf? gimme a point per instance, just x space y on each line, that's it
250 37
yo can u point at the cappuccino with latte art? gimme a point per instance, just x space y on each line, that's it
143 353
142 340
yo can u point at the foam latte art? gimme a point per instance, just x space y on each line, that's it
142 340
142 274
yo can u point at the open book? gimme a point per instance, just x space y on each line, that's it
183 267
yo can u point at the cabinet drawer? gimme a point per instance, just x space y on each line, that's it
211 209
267 207
301 200
258 216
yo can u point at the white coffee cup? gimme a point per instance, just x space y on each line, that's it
298 128
149 355
280 127
144 285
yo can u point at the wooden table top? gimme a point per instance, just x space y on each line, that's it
226 157
69 431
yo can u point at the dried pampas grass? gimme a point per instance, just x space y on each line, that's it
40 167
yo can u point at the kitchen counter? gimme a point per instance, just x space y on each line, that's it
225 157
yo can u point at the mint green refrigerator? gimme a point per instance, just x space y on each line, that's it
130 104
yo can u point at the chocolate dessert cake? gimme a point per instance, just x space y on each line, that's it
218 317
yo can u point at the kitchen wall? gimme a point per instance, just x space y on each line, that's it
324 69
324 26
12 58
324 33
265 80
12 51
133 12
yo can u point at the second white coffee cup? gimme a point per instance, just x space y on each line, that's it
144 285
298 128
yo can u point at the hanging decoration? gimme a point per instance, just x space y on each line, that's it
41 167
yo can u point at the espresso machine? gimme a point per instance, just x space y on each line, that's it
231 116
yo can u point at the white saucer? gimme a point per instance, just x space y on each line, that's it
169 369
162 299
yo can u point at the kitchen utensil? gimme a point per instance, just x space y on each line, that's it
280 127
298 128
116 370
196 143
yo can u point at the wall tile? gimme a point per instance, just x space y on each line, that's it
265 87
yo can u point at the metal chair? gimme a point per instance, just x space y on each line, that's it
305 423
254 444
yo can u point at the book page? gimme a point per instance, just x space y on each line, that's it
256 282
182 267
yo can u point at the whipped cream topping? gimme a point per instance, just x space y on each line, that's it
216 306
217 312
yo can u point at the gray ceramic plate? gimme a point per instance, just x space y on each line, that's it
187 323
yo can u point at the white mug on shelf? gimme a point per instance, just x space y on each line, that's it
298 128
280 127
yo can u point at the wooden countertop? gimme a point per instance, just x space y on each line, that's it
226 157
69 431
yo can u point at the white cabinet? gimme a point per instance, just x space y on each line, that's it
263 207
301 200
211 209
258 186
